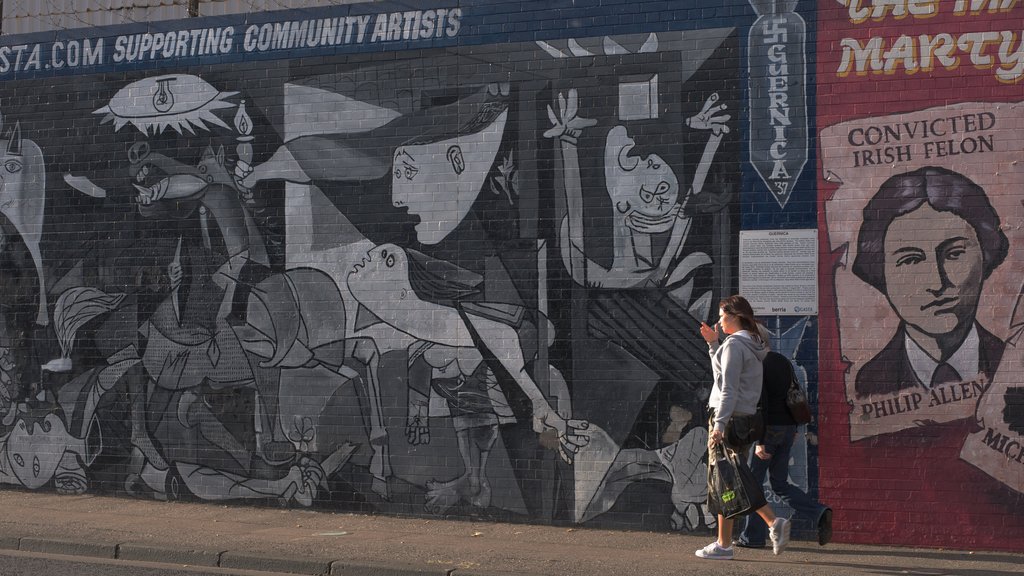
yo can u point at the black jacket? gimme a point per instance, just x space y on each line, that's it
778 372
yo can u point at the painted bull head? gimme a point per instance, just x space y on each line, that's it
22 199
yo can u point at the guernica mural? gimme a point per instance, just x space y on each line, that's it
463 280
923 209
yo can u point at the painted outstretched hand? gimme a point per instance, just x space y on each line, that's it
302 481
709 118
566 124
571 433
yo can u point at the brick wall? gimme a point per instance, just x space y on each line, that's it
451 260
918 108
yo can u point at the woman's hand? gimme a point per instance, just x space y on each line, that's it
761 453
709 333
715 438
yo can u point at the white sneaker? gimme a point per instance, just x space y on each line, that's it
714 552
779 533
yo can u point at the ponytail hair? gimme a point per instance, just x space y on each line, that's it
765 335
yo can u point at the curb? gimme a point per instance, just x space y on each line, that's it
68 547
163 555
267 563
136 552
471 572
343 568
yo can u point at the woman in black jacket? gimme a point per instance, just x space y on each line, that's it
771 456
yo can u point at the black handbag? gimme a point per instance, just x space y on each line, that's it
744 430
796 401
729 483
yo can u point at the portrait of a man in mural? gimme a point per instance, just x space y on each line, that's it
928 241
925 266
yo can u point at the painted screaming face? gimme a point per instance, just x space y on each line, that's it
380 282
440 181
381 279
644 190
933 270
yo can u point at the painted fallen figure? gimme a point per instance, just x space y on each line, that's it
383 284
60 442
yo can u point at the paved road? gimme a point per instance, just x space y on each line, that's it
311 542
29 564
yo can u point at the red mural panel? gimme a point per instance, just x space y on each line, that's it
921 117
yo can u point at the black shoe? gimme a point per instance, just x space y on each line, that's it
744 544
825 527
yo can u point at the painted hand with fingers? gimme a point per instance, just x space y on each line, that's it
571 433
302 481
566 125
242 171
709 118
417 427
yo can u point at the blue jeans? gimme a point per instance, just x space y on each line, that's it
778 441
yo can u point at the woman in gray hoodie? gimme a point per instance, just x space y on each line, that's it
736 363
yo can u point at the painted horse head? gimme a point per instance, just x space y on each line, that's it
169 187
158 177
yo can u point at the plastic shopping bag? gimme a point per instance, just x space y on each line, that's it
729 484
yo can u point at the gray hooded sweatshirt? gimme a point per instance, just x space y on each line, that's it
738 373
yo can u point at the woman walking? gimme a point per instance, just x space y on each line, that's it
771 456
736 363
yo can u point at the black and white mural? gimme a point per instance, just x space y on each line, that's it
461 281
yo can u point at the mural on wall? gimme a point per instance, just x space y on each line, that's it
930 247
923 213
779 126
23 200
407 286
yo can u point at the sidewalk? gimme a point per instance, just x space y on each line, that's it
308 542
